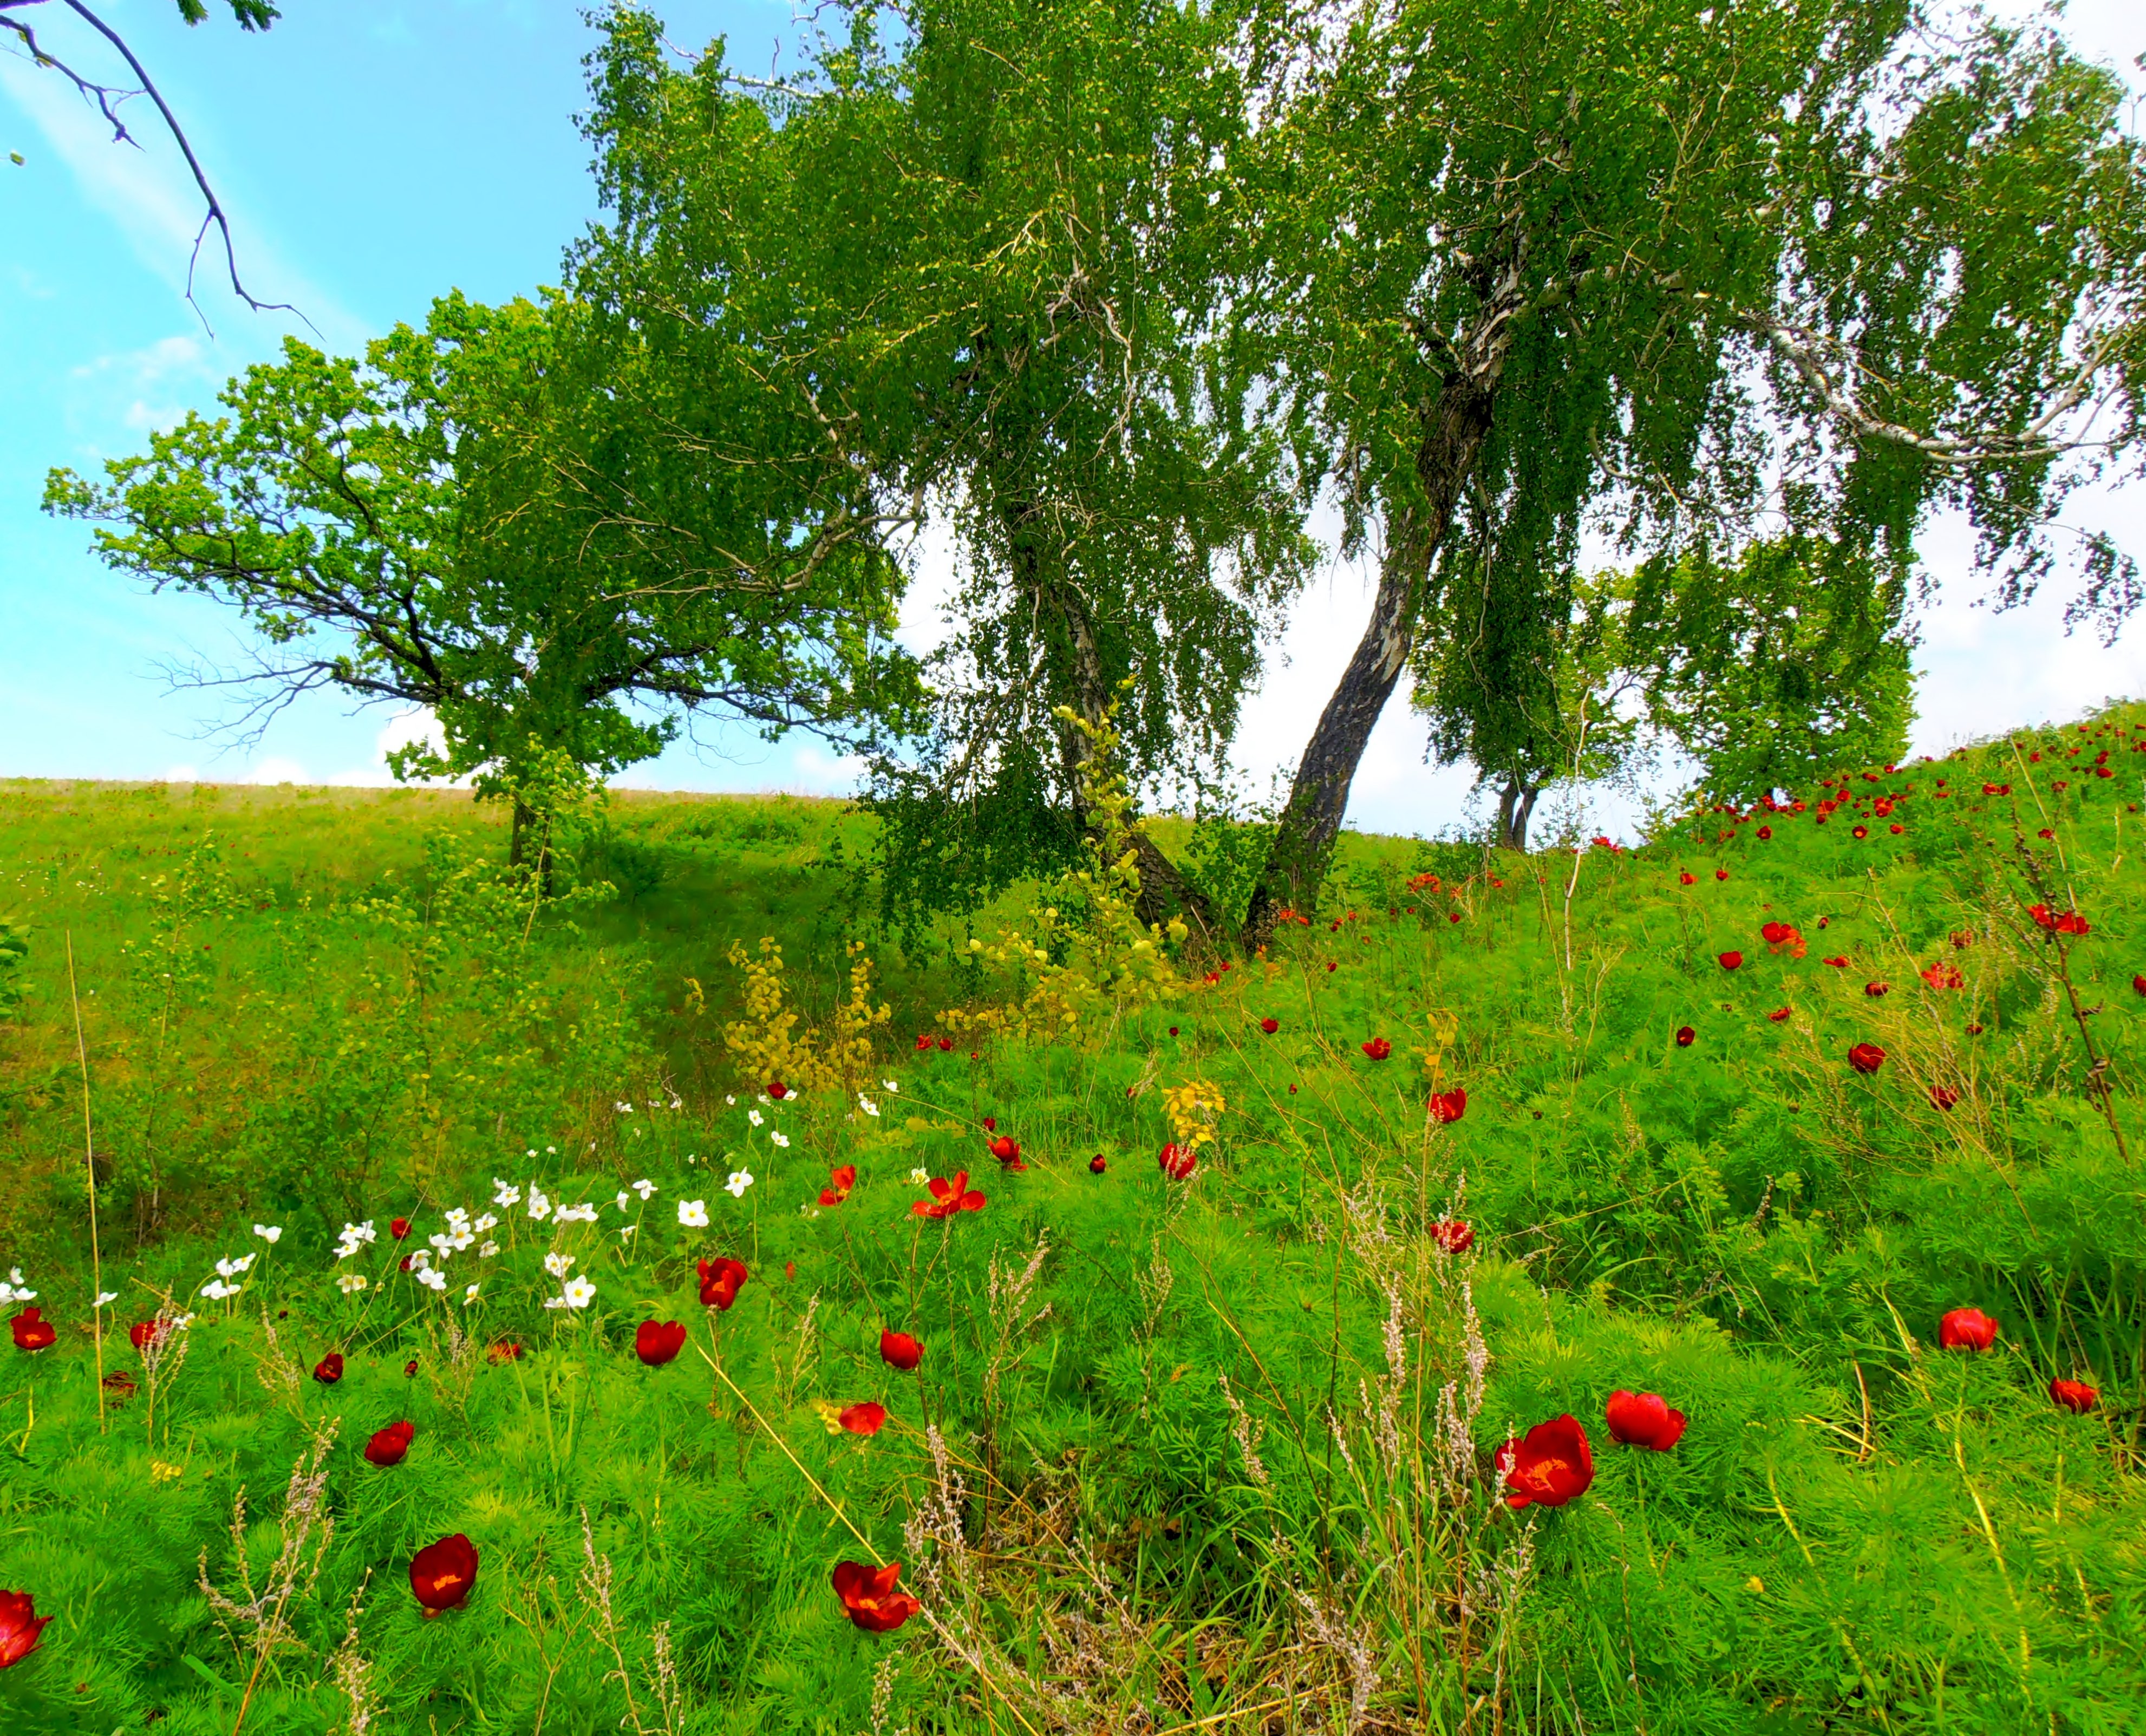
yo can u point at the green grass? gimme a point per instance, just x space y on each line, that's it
1210 1454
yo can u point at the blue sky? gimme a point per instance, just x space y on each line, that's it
374 156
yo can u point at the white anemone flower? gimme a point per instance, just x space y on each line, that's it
105 1298
919 1177
753 1116
693 1213
469 1295
866 1104
740 1180
558 1264
271 1234
540 1206
781 1140
644 1187
505 1193
350 1283
432 1279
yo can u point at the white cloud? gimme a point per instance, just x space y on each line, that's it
404 729
275 769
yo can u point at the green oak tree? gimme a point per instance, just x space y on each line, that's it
559 538
1670 267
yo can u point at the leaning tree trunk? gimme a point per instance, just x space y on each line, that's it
1516 802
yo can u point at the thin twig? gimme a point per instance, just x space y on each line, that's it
89 1181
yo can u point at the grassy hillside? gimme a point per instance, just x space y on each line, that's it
1206 1442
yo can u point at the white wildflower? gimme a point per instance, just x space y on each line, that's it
753 1116
216 1289
271 1234
469 1295
350 1283
693 1213
622 1197
505 1193
919 1177
540 1207
489 1251
624 1109
105 1298
584 1212
487 1222
781 1140
644 1187
432 1279
740 1180
866 1104
558 1264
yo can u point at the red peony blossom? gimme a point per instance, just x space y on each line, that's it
869 1598
657 1342
1548 1467
20 1625
1875 989
443 1574
2069 923
1732 962
2074 1395
143 1334
1967 1328
1454 1235
777 1090
1378 1049
1866 1057
1177 1162
1773 934
32 1331
1684 878
399 1227
1943 1096
1764 833
1447 1107
1643 1419
899 1350
866 1419
1779 1016
949 1197
1721 874
329 1368
1270 1026
1685 1036
1007 1150
720 1282
390 1444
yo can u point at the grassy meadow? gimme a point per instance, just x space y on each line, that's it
1217 1344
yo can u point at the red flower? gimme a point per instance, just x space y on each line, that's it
1270 1026
1687 880
777 1090
1732 960
719 1281
1685 1036
899 1350
1176 1161
1943 1096
840 1179
329 1368
866 1419
503 1349
388 1446
1643 1419
1997 789
1097 1165
1896 827
1007 1150
1330 967
991 1124
1448 1106
2069 923
1967 1328
1378 1049
870 1598
2138 985
410 1370
143 1334
1860 832
923 1041
443 1574
1773 934
20 1625
1764 833
399 1227
2073 1394
1549 1467
1866 1057
946 1044
32 1331
1779 1016
2045 833
1173 1031
1942 975
1454 1235
949 1197
1874 989
657 1342
1840 964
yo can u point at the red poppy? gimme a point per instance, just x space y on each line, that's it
720 1282
923 1041
657 1342
1173 1031
1732 960
1866 1057
2138 985
869 1598
1773 934
1270 1026
1860 832
20 1625
1687 880
946 1044
390 1444
949 1197
839 1179
2069 923
1097 1165
410 1369
1330 967
1942 975
1874 989
777 1090
1452 916
1547 1468
1721 874
503 1349
443 1574
899 1350
991 1124
143 1334
1448 1106
1685 1036
398 1228
1779 1016
403 1265
1378 1049
1943 1096
1454 1235
1007 1150
866 1419
1177 1161
1896 827
1997 789
1967 1328
2073 1394
2045 833
1840 964
32 1331
1764 833
1643 1419
329 1368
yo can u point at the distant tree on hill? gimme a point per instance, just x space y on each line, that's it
535 524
